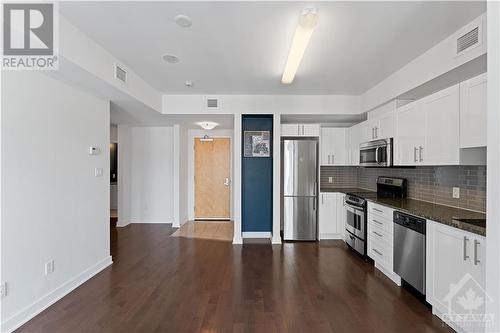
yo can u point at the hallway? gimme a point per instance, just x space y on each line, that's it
173 284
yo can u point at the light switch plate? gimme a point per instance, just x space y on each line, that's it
456 192
330 180
3 289
99 172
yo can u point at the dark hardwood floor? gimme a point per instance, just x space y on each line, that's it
171 284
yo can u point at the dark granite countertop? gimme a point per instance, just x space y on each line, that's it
435 212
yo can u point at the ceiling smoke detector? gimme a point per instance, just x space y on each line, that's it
207 125
170 58
183 21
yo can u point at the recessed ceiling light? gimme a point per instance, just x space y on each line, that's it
170 58
183 21
207 125
305 28
188 83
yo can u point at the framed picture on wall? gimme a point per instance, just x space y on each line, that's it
257 144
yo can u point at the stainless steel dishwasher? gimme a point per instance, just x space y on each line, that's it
409 249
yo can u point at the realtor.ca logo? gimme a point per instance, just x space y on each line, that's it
29 36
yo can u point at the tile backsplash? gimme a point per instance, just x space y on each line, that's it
433 184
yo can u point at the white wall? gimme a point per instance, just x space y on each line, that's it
53 207
191 134
183 175
493 176
151 175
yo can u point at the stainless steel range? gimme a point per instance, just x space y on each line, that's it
356 211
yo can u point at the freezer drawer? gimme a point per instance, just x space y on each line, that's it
300 218
299 167
355 243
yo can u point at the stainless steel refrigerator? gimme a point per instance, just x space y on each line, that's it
299 188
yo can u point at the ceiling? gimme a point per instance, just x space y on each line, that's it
125 113
241 47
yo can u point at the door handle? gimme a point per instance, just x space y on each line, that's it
476 260
226 181
420 150
415 149
465 248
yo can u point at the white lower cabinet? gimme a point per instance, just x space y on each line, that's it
455 276
331 215
380 239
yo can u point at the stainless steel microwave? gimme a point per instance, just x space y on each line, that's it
377 153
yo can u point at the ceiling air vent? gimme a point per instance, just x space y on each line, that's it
212 103
120 73
468 40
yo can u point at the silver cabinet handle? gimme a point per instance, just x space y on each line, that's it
298 129
314 203
476 260
465 248
373 132
379 253
322 199
376 233
420 150
377 210
377 222
415 149
333 158
303 131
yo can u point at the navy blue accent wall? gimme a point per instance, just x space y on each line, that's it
257 180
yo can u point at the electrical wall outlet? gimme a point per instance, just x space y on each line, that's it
49 267
456 192
330 180
3 289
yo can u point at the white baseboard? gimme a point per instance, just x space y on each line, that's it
256 234
391 275
325 236
120 223
23 316
237 240
276 240
159 221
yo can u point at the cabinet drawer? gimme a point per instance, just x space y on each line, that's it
377 233
380 210
380 252
381 222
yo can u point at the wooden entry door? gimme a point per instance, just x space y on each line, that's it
212 179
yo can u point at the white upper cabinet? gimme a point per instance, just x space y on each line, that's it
442 141
473 110
409 136
355 137
333 142
427 130
311 130
380 123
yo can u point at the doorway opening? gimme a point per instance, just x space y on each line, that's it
113 176
212 179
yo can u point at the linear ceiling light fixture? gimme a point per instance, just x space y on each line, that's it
307 23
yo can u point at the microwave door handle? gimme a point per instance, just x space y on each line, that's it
376 155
